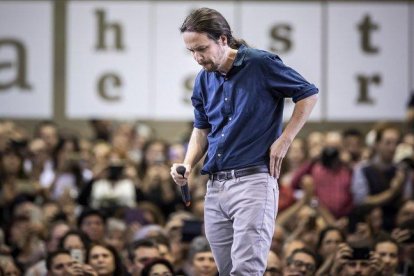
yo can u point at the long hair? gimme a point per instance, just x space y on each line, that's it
212 23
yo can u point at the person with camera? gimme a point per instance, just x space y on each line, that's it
331 177
356 261
113 188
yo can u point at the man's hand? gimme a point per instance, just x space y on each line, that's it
376 264
400 235
342 255
178 178
278 151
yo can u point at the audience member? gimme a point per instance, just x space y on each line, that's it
141 252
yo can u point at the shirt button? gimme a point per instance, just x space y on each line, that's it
222 135
229 118
225 99
219 155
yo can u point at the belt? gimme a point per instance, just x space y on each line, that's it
226 175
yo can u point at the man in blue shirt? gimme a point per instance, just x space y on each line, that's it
238 105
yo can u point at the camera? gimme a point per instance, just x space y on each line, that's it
360 253
115 171
77 255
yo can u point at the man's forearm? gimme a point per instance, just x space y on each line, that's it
197 146
299 117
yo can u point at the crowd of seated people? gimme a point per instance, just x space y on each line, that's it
106 204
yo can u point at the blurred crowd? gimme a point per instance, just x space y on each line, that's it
106 204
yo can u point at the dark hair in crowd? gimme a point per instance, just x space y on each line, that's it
384 239
51 256
325 231
381 130
87 213
198 245
147 268
147 243
211 22
74 232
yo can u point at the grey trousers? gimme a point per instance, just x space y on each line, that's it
239 219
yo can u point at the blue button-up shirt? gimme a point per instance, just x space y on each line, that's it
244 108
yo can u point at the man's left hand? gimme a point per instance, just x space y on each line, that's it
278 151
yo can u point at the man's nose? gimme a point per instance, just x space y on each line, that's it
386 259
197 57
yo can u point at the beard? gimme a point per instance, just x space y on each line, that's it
209 66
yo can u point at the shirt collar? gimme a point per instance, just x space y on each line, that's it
241 53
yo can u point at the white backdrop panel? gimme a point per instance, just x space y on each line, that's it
346 61
86 64
301 24
26 26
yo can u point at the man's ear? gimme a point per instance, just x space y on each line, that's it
223 40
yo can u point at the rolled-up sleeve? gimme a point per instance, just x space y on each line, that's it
200 116
286 82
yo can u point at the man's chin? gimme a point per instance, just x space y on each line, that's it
209 68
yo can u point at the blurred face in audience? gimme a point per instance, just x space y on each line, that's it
49 134
406 212
409 139
102 260
165 253
375 219
387 145
155 153
176 153
353 144
58 231
11 163
291 246
204 265
330 242
121 142
116 238
10 268
274 265
143 255
357 268
388 252
3 137
60 264
300 264
38 151
93 226
101 153
315 142
73 242
296 154
50 209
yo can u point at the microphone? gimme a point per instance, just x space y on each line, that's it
185 193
